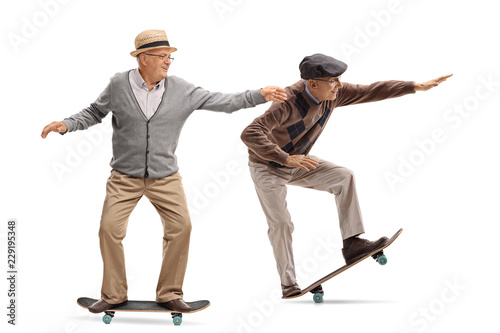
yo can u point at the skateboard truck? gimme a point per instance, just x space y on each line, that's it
177 318
108 316
318 294
380 258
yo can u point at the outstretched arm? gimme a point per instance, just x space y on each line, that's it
85 118
431 83
216 101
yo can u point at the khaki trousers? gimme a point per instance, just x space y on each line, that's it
270 184
167 196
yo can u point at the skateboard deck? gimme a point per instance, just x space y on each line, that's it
143 306
317 289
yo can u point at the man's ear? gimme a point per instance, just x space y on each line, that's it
142 59
313 83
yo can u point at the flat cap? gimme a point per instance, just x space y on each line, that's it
319 65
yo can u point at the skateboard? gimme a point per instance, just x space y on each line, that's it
317 289
143 306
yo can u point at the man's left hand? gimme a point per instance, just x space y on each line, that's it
431 84
273 94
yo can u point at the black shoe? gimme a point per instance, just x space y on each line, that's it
177 304
101 306
359 247
290 290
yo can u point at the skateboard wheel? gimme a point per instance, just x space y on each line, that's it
107 318
318 297
177 320
382 260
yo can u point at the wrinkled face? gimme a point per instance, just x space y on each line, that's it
325 88
156 62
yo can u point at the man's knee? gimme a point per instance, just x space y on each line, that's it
343 180
346 173
280 226
181 227
187 227
109 230
184 222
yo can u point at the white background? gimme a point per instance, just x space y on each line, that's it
445 202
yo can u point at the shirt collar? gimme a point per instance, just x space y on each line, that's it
311 97
140 81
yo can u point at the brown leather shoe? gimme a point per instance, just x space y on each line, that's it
101 306
177 304
360 247
290 290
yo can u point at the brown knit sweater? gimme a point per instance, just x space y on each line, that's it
292 127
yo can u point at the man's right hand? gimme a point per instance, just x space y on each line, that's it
55 126
301 161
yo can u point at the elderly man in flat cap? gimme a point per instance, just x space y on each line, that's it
149 109
279 143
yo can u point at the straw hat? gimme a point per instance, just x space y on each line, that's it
151 39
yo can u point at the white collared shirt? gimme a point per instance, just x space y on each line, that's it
148 100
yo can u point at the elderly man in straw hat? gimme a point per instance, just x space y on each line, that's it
149 109
279 143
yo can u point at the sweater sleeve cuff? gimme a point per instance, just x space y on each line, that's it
257 97
409 87
68 125
282 157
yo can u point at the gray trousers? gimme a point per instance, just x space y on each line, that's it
270 184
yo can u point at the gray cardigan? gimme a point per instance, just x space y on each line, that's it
146 148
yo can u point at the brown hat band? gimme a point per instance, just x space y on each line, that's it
155 44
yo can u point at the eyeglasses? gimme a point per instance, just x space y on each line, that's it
336 80
162 56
